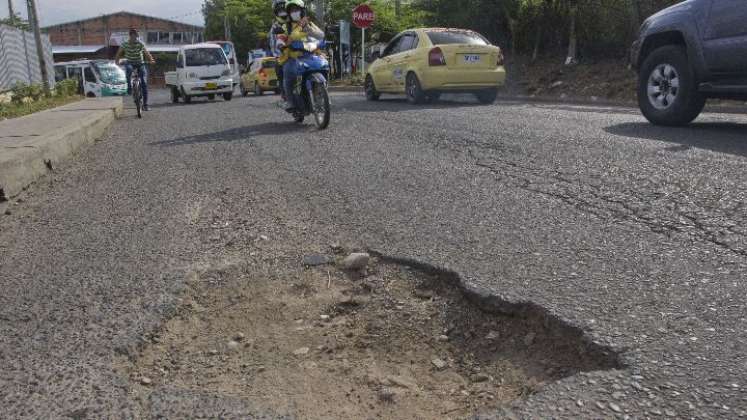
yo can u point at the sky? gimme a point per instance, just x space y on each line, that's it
57 11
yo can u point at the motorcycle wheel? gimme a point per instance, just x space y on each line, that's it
320 105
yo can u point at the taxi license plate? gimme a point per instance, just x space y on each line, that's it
211 86
472 58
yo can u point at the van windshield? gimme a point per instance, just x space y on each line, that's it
110 73
204 57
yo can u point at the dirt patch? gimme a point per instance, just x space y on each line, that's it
609 79
317 343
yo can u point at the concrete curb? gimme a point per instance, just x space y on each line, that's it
32 145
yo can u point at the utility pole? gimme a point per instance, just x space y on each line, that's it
226 24
398 8
34 21
11 13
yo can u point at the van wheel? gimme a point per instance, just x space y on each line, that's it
174 95
667 88
228 96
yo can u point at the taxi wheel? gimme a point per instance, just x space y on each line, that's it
415 94
371 93
487 97
433 97
211 97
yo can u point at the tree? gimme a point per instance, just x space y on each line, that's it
248 20
16 22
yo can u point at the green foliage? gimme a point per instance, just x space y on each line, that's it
249 22
603 27
21 93
28 99
66 88
16 22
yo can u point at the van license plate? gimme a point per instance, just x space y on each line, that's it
212 86
472 58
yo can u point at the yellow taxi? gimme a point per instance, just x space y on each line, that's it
261 77
423 63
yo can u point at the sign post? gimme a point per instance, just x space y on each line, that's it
363 17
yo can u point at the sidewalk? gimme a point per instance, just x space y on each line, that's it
31 145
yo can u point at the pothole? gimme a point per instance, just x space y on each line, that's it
316 343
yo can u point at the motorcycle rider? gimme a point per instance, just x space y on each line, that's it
278 38
300 30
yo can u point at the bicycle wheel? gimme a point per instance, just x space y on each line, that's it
138 97
320 105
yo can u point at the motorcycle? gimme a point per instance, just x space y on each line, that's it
313 71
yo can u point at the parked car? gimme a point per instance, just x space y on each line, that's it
423 63
261 77
687 53
201 70
98 77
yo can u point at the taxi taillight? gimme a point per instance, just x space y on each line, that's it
500 58
436 57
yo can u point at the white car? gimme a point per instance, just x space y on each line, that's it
201 70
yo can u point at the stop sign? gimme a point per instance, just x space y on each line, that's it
363 16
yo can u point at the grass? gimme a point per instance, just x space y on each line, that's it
15 110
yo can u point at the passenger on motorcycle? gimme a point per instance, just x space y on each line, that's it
300 31
278 38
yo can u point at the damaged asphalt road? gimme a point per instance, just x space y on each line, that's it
634 233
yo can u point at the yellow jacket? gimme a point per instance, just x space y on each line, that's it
308 33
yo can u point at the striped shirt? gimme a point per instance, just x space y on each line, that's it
133 52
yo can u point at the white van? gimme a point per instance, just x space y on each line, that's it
100 77
201 70
233 60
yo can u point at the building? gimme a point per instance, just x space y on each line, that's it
100 36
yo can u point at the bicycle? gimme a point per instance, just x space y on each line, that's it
137 93
137 90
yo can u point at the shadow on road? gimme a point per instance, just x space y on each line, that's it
728 138
401 104
236 134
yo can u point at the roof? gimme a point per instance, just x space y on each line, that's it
162 48
202 45
125 13
76 49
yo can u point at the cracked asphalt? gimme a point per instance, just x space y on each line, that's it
635 233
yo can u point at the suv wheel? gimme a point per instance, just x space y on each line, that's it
667 88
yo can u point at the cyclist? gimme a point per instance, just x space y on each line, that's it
134 52
300 30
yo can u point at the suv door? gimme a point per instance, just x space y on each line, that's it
401 59
725 44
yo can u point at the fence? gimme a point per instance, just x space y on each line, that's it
19 62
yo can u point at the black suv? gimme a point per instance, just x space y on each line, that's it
687 53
